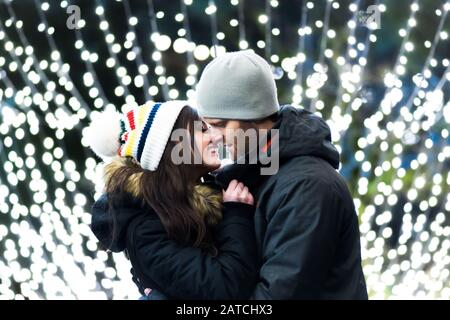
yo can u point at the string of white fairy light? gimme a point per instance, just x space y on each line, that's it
17 65
350 42
414 259
76 102
400 173
353 80
40 73
20 175
90 78
136 52
424 72
4 128
323 42
366 47
386 216
379 277
155 36
400 60
418 260
10 252
372 143
32 88
211 11
243 44
113 49
354 101
297 88
387 104
350 77
45 80
191 80
431 52
268 30
62 111
319 76
414 8
43 26
18 160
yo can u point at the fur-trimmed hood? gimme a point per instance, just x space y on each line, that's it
205 199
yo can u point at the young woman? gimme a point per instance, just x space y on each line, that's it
186 239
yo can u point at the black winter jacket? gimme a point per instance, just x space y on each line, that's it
306 225
178 271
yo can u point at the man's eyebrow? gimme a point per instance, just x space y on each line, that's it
217 122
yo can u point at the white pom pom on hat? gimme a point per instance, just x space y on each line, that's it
104 132
141 132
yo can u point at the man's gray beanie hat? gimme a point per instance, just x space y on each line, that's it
237 85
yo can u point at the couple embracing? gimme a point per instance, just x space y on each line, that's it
276 223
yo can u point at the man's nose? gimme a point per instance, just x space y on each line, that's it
216 135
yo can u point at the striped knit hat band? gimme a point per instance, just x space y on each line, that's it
146 131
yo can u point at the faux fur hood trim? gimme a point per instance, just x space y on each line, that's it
206 200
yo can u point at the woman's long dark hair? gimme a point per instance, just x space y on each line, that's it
166 190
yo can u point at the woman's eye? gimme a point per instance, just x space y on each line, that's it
204 127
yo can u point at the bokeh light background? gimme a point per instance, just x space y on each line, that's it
382 86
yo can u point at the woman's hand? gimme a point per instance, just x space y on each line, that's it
237 192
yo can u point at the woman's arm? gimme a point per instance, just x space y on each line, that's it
182 272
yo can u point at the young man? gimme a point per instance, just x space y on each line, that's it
306 225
